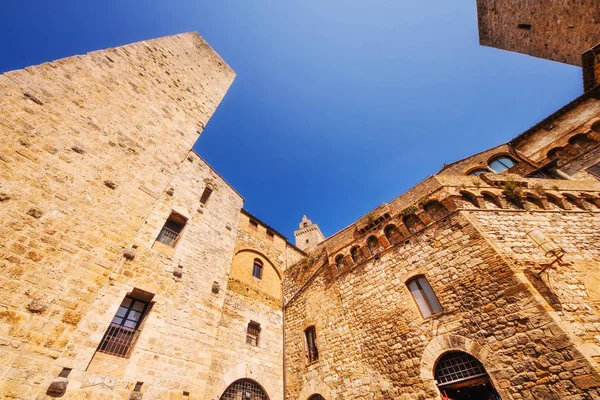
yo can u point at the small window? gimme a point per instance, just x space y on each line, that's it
373 245
502 163
304 224
253 333
594 170
312 353
424 296
171 231
257 269
205 195
392 234
340 262
356 254
525 27
253 224
478 172
123 331
307 241
270 235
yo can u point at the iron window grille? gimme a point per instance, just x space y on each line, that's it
312 352
456 367
253 333
244 389
123 331
171 231
594 170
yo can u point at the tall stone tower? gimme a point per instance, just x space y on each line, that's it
309 235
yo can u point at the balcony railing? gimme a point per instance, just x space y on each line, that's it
168 237
118 341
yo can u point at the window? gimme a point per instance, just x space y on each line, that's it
424 296
257 268
594 170
479 171
253 224
171 231
122 333
244 389
340 263
525 27
205 195
355 254
502 163
253 333
392 233
312 353
270 235
316 397
373 244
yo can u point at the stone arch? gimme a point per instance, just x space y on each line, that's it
469 198
340 262
491 200
242 371
534 201
435 209
575 201
392 233
555 152
413 223
556 201
373 245
264 258
241 271
596 126
313 387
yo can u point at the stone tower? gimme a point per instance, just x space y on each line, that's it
309 235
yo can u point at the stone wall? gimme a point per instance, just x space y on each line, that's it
557 30
90 148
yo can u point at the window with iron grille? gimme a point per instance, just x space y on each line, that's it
457 366
312 353
123 331
257 268
426 300
244 389
171 231
253 333
594 170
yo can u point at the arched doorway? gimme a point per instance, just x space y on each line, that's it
316 397
460 376
244 389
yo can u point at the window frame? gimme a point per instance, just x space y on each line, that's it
311 352
172 234
253 333
425 298
499 159
258 262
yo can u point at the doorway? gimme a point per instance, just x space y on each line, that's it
460 376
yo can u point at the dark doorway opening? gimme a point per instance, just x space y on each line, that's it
460 376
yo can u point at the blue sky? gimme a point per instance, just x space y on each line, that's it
338 106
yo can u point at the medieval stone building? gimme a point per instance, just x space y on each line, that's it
130 270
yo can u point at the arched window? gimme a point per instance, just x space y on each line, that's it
423 294
340 262
316 397
373 244
312 352
478 171
356 254
502 163
392 233
257 268
244 389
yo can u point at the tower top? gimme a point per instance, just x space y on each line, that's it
309 235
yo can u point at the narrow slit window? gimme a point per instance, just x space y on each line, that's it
257 268
253 333
426 300
171 231
525 27
124 329
205 195
312 353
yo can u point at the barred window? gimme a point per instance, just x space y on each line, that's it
124 329
244 389
457 366
312 353
594 170
253 333
171 231
426 300
257 268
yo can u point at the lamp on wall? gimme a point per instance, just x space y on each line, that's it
545 244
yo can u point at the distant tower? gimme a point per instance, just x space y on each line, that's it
309 235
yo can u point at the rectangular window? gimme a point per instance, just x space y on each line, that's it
270 235
171 231
257 269
312 353
123 331
424 296
253 333
205 195
594 170
253 224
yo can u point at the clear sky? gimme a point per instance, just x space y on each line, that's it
338 106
